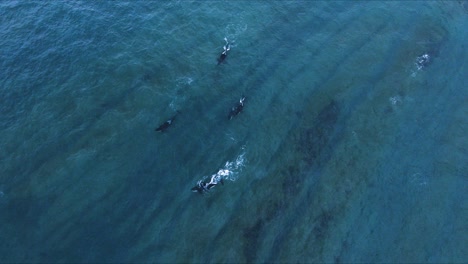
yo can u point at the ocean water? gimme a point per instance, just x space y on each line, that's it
346 150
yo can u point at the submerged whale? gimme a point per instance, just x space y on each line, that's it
223 55
235 110
166 124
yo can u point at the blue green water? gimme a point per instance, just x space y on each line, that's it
345 151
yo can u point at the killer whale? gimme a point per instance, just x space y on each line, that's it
223 55
203 187
166 124
235 110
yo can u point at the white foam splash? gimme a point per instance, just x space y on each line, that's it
419 179
185 80
173 106
420 63
232 31
231 169
394 100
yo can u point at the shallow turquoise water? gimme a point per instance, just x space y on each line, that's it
345 150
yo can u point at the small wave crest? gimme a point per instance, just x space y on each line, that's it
233 31
184 81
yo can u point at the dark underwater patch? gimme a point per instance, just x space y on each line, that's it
315 142
251 236
322 224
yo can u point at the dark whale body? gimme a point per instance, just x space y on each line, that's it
166 124
222 57
235 110
203 187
